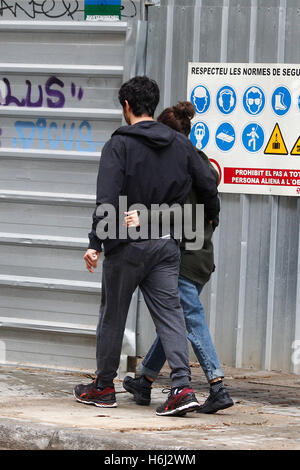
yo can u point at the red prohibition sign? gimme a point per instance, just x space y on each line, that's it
218 167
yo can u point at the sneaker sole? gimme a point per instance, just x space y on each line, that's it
220 408
181 411
137 399
100 405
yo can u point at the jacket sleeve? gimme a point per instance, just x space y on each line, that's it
204 184
215 221
110 182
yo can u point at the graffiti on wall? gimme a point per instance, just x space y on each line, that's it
50 94
54 93
49 9
54 9
41 134
66 136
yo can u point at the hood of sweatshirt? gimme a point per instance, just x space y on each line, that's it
154 134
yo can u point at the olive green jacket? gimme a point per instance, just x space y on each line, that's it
198 265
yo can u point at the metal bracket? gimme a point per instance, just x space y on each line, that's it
144 7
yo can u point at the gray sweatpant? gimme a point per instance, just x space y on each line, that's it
153 265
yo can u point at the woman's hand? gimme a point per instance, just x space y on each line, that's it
132 219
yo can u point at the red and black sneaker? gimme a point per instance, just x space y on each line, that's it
180 401
92 395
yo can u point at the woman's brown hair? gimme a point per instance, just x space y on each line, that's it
178 117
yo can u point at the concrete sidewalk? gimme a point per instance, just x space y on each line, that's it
38 411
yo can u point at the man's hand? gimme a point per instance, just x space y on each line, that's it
91 259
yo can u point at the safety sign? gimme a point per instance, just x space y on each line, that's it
276 145
226 99
201 99
225 136
247 122
296 148
281 100
254 100
253 137
200 135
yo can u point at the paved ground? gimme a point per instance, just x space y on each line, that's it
38 411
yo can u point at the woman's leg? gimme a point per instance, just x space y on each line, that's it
198 332
153 361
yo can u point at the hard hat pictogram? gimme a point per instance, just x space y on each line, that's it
200 98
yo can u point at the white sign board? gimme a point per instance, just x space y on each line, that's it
248 123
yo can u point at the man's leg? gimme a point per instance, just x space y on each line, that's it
160 291
119 281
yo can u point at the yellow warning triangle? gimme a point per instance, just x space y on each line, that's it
296 148
276 145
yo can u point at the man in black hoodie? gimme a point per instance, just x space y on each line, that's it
149 163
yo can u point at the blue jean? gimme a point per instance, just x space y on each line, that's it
198 335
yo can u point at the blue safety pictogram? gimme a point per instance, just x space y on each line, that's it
200 98
199 135
225 136
226 99
254 100
253 137
281 100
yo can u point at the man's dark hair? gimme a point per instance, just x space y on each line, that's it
142 95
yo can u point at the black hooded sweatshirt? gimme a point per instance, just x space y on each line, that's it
150 163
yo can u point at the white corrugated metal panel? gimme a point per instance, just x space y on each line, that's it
252 301
59 80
